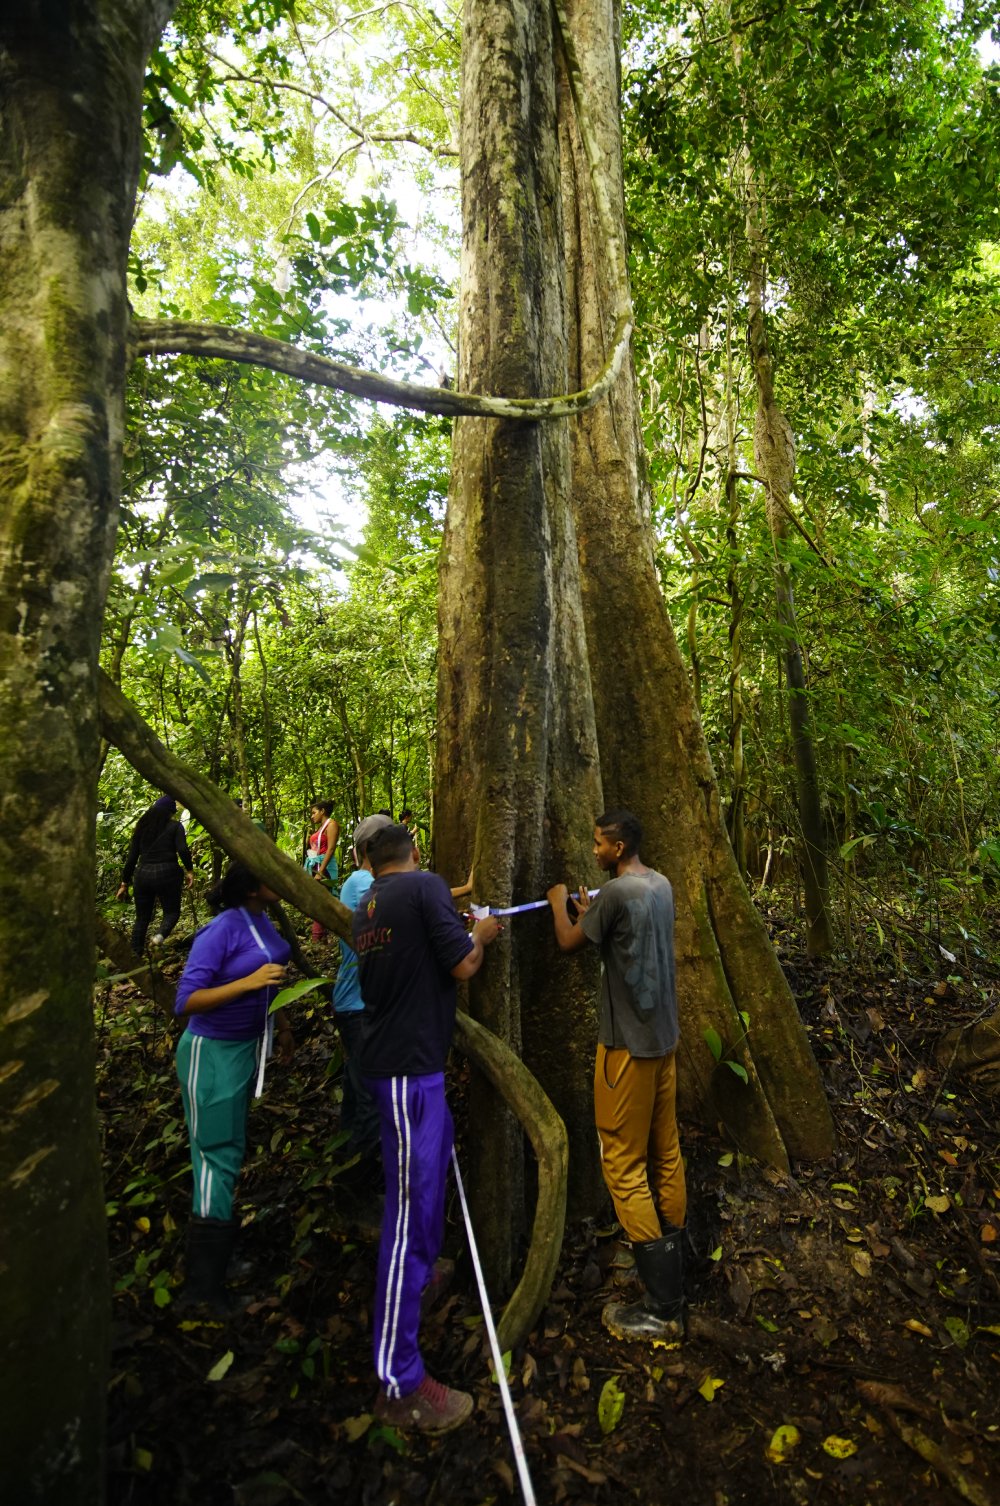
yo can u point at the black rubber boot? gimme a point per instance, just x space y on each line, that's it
210 1244
659 1318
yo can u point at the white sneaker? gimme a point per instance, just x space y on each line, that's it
157 940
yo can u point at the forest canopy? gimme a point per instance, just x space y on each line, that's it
842 156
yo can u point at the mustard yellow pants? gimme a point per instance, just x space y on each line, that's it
634 1100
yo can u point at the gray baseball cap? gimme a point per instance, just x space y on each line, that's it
366 829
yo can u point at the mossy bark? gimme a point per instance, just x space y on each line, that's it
654 758
71 80
517 780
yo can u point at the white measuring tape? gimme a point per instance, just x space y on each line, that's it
480 912
527 1489
267 1039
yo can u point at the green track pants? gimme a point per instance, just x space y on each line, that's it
217 1081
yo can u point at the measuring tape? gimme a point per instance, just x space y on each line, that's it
527 1489
480 912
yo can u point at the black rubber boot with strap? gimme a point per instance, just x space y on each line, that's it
659 1318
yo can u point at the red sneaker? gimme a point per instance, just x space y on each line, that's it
442 1276
432 1408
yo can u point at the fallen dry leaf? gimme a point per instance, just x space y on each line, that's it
862 1262
357 1427
939 1204
503 1471
839 1448
916 1327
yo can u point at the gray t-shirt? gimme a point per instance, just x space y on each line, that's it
632 921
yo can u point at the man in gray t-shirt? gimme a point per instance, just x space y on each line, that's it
632 921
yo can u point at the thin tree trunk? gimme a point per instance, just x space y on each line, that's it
236 719
654 758
737 827
517 777
352 748
71 79
270 814
774 458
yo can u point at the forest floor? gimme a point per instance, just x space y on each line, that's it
856 1302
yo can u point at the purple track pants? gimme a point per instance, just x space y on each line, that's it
417 1136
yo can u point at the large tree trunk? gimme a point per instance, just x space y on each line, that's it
654 759
71 80
517 776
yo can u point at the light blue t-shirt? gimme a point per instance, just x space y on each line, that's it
347 990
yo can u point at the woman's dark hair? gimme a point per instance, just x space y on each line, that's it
326 806
152 823
235 887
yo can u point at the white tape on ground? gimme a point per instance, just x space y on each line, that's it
527 1490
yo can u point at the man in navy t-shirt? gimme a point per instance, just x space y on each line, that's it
411 947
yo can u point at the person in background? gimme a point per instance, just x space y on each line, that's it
157 843
632 921
358 1112
320 860
411 947
235 968
409 820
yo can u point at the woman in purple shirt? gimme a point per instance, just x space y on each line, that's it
234 970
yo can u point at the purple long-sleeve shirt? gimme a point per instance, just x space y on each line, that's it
223 951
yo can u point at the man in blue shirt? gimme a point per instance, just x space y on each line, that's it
358 1112
411 948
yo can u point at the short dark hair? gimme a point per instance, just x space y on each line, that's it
406 815
622 826
393 844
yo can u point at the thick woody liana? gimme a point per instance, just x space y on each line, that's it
126 730
154 337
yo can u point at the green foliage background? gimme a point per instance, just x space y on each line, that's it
294 669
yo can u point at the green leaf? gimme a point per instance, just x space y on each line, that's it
714 1043
741 1072
389 1436
959 1332
213 583
767 1325
219 1369
506 1367
297 990
716 1253
611 1405
161 1296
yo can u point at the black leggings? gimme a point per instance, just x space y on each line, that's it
161 882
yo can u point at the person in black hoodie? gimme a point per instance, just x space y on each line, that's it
157 843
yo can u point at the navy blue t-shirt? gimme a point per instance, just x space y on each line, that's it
408 937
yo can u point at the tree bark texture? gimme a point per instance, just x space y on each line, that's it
774 458
71 79
517 782
654 758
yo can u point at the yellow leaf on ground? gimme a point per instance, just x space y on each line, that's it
862 1262
938 1204
782 1442
218 1370
839 1448
727 1159
357 1427
142 1459
708 1387
917 1327
611 1405
142 1224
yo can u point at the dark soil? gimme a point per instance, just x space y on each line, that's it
825 1286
